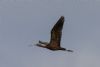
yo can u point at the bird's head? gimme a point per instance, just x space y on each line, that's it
64 49
69 50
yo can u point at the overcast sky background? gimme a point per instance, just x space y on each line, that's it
24 22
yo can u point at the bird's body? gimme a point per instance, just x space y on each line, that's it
55 40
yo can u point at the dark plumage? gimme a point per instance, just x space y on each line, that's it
55 40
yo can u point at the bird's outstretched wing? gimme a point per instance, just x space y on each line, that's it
56 32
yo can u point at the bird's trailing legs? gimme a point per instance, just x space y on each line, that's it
39 45
42 44
45 43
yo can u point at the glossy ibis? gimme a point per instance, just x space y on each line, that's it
55 40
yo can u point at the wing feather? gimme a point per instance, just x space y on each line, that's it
56 32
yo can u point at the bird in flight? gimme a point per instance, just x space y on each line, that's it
56 33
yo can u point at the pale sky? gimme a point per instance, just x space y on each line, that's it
25 22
